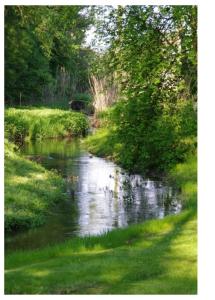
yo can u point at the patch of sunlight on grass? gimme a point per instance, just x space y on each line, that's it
112 276
97 248
177 285
162 265
144 243
41 176
30 190
18 179
189 188
153 226
31 124
39 273
160 258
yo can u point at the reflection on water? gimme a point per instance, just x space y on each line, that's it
100 196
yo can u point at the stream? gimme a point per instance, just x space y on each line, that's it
99 196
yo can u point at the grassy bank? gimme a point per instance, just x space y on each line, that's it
30 191
184 175
29 188
38 123
156 257
103 143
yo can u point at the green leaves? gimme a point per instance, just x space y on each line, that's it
153 54
39 40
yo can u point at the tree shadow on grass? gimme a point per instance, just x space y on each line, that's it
153 272
117 268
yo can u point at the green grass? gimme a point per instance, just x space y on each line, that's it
156 257
148 152
184 175
30 191
103 143
38 123
29 188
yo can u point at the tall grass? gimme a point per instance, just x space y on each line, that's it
184 175
104 94
30 190
103 144
39 123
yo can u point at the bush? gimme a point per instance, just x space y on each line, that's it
146 145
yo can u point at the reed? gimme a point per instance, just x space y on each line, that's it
104 93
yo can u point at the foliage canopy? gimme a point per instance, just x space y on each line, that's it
44 53
152 57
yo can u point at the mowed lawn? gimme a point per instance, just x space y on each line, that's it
157 257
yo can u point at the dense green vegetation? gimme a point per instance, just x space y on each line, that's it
184 175
152 125
157 257
106 142
30 191
143 85
152 58
38 123
103 143
45 60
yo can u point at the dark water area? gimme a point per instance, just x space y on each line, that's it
99 196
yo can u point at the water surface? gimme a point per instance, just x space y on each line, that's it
99 196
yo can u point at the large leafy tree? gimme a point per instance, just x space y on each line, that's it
152 52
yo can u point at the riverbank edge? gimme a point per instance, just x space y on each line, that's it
80 260
165 249
184 175
28 198
30 191
157 257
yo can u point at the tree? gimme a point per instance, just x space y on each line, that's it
153 53
40 40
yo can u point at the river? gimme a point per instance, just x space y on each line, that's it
99 196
